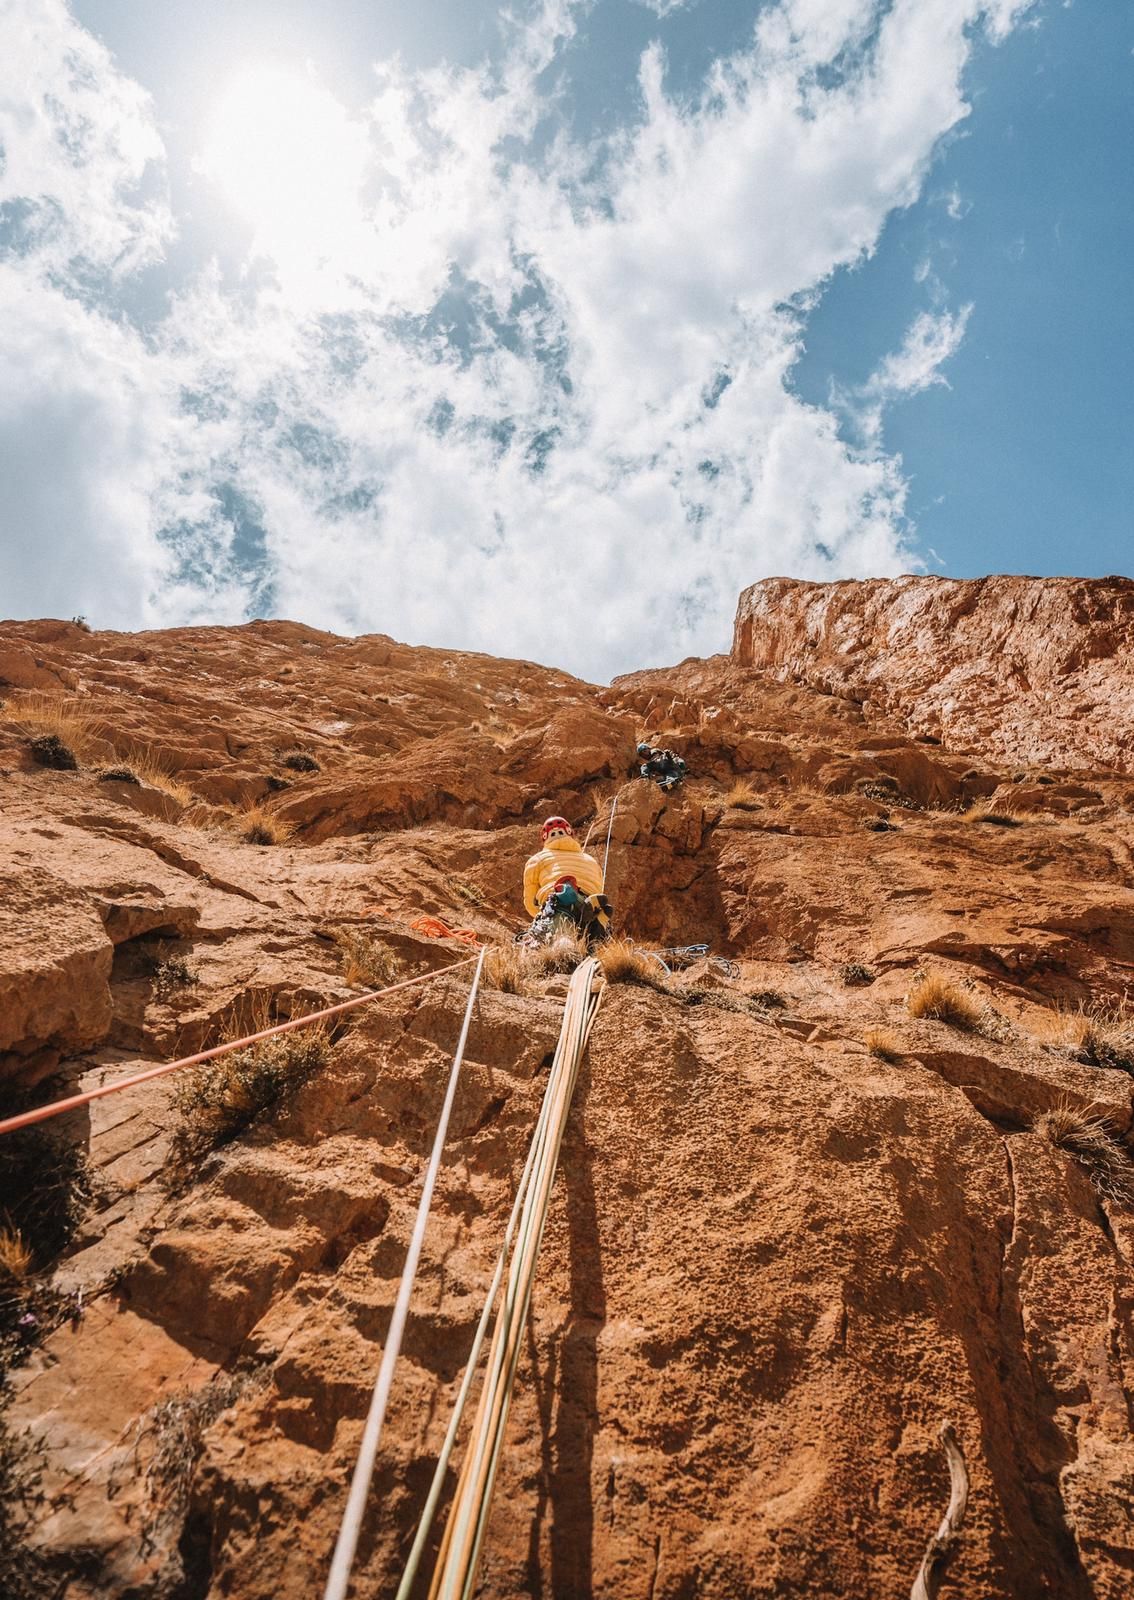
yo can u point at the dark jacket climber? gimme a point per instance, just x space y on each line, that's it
556 884
662 767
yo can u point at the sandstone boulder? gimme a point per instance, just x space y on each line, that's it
55 961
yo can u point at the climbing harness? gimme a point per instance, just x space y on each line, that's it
347 1541
55 1107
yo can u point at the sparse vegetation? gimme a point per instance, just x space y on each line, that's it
855 976
300 761
469 892
880 825
938 998
258 825
49 750
46 1183
51 717
623 962
998 816
15 1256
1091 1142
743 797
767 999
173 973
563 954
506 968
119 775
176 1429
366 960
512 968
883 1043
221 1099
24 1573
1094 1036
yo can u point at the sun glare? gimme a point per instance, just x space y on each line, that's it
288 158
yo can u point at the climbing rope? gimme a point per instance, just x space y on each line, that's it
347 1541
429 1510
55 1108
609 827
455 1575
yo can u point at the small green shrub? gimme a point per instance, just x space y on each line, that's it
855 975
49 750
119 775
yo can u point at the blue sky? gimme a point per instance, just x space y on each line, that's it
545 331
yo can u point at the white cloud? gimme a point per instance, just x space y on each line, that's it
662 8
535 403
929 341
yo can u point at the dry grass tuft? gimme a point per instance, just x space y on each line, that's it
883 1043
468 892
999 816
150 767
623 962
1091 1142
563 954
48 716
1094 1036
743 797
506 968
940 999
15 1255
258 825
365 960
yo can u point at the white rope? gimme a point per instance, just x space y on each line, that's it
609 828
347 1541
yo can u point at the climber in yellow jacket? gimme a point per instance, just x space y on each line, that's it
563 883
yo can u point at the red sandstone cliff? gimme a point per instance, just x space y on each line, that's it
777 1259
1022 669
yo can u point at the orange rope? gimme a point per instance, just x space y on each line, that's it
55 1107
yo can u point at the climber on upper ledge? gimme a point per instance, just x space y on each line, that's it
563 887
662 767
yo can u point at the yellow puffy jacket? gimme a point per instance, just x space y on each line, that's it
560 858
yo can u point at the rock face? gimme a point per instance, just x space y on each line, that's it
795 1227
1023 669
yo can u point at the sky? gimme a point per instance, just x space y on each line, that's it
544 330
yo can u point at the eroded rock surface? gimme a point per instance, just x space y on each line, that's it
1026 669
776 1261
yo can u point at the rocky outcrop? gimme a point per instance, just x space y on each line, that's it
1029 670
795 1228
55 960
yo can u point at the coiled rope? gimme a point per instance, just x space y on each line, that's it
347 1541
55 1108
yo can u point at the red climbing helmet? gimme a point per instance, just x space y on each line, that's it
554 823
